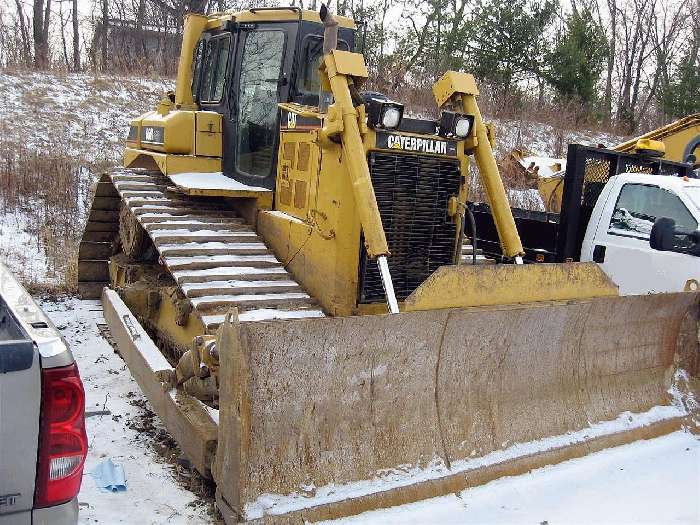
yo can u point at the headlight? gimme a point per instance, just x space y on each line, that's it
463 127
391 118
455 124
383 113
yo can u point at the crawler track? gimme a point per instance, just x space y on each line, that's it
217 259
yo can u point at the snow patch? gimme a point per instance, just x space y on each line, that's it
212 181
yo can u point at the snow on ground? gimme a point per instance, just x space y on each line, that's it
91 113
129 435
544 140
23 252
655 481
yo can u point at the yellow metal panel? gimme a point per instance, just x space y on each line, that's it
178 131
297 168
354 157
209 137
321 251
552 192
499 284
454 82
194 25
286 15
170 164
352 64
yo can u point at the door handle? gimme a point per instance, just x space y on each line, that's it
599 253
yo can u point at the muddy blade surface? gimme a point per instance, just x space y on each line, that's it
341 400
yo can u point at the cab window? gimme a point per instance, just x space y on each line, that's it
638 207
261 67
211 60
307 81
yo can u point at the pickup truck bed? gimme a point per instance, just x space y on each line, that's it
29 344
557 237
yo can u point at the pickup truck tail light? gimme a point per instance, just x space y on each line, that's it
62 438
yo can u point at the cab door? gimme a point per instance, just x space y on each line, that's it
259 85
621 243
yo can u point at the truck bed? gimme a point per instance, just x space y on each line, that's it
557 237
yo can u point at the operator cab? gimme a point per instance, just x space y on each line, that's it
249 65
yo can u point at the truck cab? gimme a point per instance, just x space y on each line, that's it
619 232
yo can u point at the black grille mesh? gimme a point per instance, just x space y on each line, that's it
412 193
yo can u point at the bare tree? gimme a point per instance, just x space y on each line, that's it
76 38
42 15
26 47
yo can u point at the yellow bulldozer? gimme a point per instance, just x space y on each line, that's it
279 264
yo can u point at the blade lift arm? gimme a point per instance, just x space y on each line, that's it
460 88
340 70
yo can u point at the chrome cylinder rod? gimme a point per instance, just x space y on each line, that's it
388 284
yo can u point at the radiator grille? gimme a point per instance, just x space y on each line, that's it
412 193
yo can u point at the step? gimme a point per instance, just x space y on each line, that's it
224 273
211 288
225 302
262 314
181 235
212 248
166 218
215 261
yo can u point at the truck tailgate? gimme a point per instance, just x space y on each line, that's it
20 401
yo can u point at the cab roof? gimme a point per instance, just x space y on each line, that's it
278 14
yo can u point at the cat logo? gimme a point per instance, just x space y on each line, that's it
291 120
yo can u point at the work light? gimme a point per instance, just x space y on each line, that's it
383 114
454 124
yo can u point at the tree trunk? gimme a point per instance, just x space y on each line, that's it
607 100
63 35
41 44
26 49
76 38
105 33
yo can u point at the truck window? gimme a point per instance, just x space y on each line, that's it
308 82
694 193
257 101
638 207
197 68
213 74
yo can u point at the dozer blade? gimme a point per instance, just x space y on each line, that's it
327 417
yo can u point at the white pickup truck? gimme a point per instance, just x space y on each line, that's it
638 249
636 216
43 443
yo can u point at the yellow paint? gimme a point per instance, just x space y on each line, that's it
169 164
451 83
349 64
454 87
353 151
650 146
208 139
490 285
193 27
551 190
322 247
675 136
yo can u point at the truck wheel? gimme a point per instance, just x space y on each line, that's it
136 244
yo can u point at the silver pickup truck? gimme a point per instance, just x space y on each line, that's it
43 443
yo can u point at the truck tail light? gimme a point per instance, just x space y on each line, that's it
62 438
